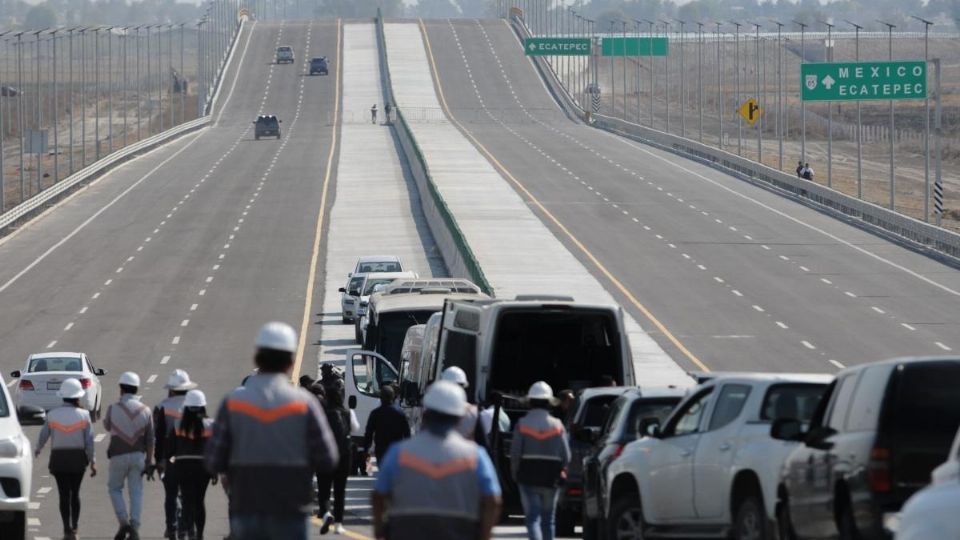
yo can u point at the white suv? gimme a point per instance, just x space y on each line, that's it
712 469
16 465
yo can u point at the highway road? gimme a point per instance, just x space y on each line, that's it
175 260
744 279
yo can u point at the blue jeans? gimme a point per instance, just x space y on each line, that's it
127 469
539 509
269 527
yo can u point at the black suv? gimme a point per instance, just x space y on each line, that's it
318 65
873 441
266 125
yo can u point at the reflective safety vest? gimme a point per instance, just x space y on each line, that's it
188 445
539 449
436 492
172 408
70 433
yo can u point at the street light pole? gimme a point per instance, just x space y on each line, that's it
613 86
736 62
856 46
183 80
56 116
666 77
700 80
893 182
683 94
110 88
719 90
779 94
926 122
38 151
827 57
759 120
23 185
3 178
636 25
624 62
803 108
651 70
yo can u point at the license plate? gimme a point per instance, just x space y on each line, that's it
53 386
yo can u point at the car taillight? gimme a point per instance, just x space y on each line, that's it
878 471
26 385
85 383
574 492
617 451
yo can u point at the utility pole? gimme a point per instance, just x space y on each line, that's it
926 122
856 41
893 182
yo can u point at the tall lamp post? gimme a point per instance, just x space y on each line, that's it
736 62
779 94
926 121
828 57
856 46
803 108
666 75
893 181
683 94
719 89
650 69
700 80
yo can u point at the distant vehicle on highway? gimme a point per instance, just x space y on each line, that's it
932 512
266 125
356 294
41 377
318 66
377 263
620 429
284 55
8 91
872 443
16 466
712 470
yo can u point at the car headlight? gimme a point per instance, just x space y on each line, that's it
11 447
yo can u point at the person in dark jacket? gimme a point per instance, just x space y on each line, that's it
386 425
69 429
186 446
338 418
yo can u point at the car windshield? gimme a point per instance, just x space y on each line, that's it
649 408
596 411
284 49
380 266
355 284
796 401
268 120
371 283
41 365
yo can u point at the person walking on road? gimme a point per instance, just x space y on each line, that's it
386 111
436 485
386 425
268 440
130 425
165 417
373 114
339 419
469 425
539 455
187 444
799 169
70 432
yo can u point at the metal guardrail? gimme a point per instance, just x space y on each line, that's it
453 244
926 238
95 169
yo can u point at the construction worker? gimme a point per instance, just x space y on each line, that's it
468 426
130 425
186 448
70 432
539 454
436 485
269 439
165 417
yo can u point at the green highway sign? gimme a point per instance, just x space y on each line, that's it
649 46
851 81
561 46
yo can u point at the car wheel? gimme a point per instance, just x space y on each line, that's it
784 522
626 519
751 523
846 525
16 528
565 523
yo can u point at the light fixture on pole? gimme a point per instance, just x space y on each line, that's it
856 46
926 121
893 181
828 57
803 108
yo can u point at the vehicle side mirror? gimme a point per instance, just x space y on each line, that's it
649 427
786 429
342 289
100 372
588 434
15 374
31 415
817 437
352 402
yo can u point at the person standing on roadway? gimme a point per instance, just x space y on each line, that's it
130 425
437 485
165 417
339 419
268 440
386 425
186 447
70 432
373 114
539 454
469 425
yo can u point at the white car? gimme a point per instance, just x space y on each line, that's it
354 297
712 470
16 466
41 378
377 263
932 511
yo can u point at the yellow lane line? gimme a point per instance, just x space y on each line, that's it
312 276
583 249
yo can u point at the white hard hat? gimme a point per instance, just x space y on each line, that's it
179 380
71 389
540 390
455 375
446 397
278 336
130 378
195 398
